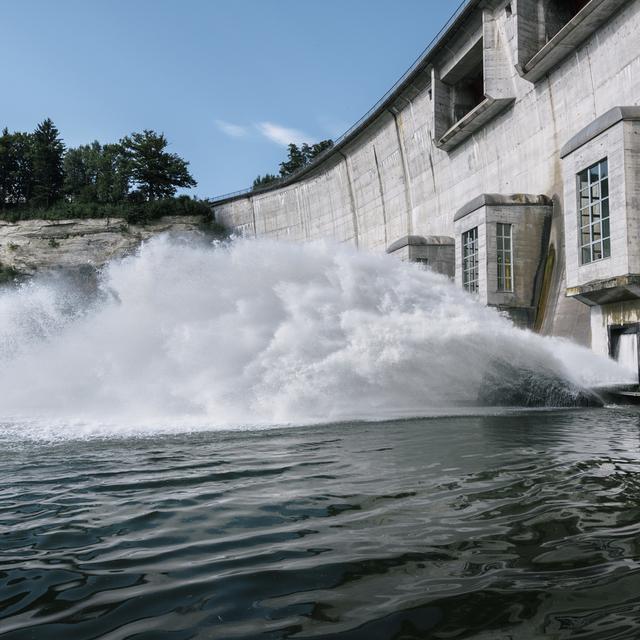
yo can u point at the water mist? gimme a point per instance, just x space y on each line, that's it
257 332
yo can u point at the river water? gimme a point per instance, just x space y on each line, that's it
505 525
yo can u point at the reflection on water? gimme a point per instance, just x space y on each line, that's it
520 525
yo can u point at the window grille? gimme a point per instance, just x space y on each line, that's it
593 207
470 260
504 257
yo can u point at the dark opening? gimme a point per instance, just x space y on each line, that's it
466 82
556 15
468 93
624 346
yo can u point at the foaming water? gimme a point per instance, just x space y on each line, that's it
257 332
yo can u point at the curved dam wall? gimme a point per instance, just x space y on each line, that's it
409 169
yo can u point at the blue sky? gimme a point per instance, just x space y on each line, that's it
228 82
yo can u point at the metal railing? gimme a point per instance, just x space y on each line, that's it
338 142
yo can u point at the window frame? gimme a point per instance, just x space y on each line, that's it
470 260
594 213
504 257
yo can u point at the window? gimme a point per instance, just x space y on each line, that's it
593 207
470 260
503 245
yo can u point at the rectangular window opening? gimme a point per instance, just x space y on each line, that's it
504 255
466 83
593 212
556 14
470 260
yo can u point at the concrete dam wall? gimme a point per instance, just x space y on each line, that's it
484 114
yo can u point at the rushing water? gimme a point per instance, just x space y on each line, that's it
513 525
206 442
260 332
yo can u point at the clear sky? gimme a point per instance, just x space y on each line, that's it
229 82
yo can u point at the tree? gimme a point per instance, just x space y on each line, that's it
294 161
23 178
7 166
16 167
300 157
47 157
79 179
96 173
264 181
156 173
113 174
316 149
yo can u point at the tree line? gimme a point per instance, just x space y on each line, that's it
297 157
38 173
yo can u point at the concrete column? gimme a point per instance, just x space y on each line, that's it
352 200
405 171
384 208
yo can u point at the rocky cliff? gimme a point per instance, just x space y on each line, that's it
29 246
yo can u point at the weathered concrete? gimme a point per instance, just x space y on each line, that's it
390 178
438 252
30 246
527 216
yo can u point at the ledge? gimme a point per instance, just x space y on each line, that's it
598 126
416 241
473 121
617 289
576 31
500 200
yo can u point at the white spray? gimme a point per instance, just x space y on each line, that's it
258 332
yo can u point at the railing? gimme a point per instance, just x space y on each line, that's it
338 142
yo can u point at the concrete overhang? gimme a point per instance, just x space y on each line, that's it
576 31
598 126
473 121
598 292
415 241
501 200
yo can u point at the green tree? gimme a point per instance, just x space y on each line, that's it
295 160
79 180
23 178
156 173
47 158
7 166
16 167
300 157
97 173
316 149
264 181
113 174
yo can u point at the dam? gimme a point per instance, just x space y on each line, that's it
507 157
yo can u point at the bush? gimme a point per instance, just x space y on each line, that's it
134 210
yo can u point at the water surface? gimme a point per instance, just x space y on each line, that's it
517 525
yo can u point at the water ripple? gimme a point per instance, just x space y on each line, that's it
506 526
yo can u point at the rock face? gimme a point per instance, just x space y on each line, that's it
36 245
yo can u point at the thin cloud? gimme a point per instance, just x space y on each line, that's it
282 135
232 130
